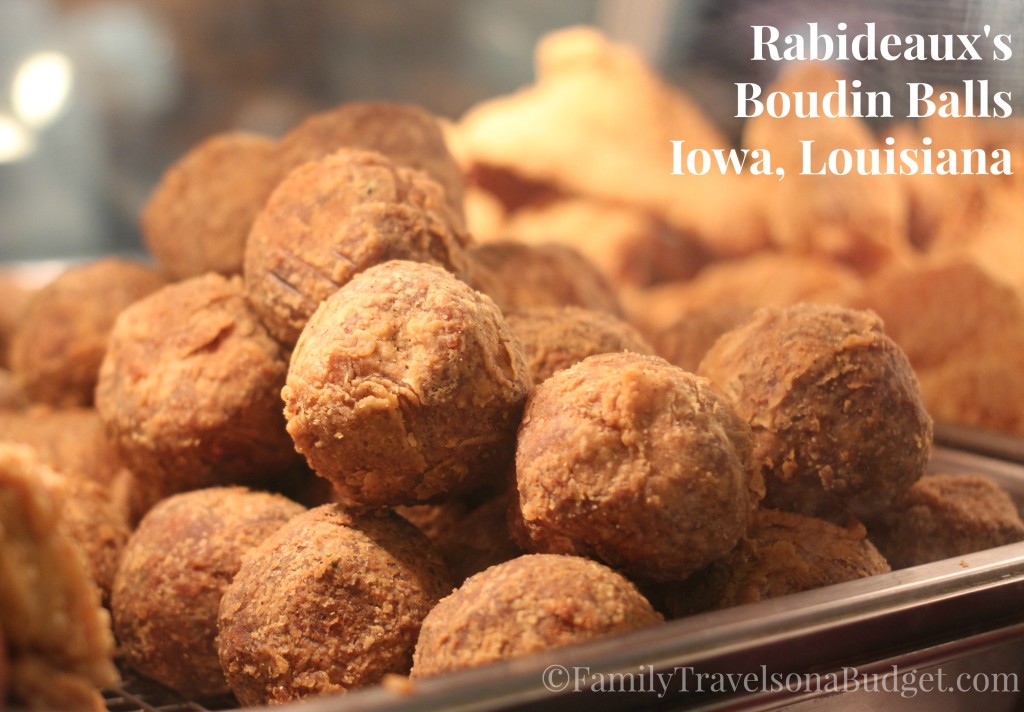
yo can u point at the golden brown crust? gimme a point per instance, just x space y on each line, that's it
943 516
408 135
61 338
685 341
835 408
332 218
190 391
516 275
332 601
629 443
554 338
406 384
199 215
532 603
14 296
176 567
12 395
783 553
57 634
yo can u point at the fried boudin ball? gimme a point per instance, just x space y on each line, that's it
61 338
332 601
190 391
14 296
532 603
58 637
783 553
334 217
12 395
406 384
943 516
198 218
554 338
685 341
178 563
408 135
627 443
835 408
516 275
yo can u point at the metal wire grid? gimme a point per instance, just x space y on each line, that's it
138 694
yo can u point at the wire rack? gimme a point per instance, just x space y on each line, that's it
138 694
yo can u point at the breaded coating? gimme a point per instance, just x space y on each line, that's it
406 384
516 276
532 603
190 391
59 343
176 567
685 341
470 533
331 602
408 135
57 635
14 296
554 338
783 553
332 218
834 406
627 443
12 395
944 516
95 523
5 668
199 215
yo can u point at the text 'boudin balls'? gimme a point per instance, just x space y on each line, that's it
635 462
532 603
332 601
190 391
406 384
332 218
834 406
176 566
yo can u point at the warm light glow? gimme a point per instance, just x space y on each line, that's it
15 141
41 87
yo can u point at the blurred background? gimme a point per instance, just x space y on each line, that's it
98 97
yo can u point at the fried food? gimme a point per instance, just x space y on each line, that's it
190 391
836 412
685 341
629 443
61 338
176 567
503 613
516 276
14 295
405 385
421 374
570 131
198 217
408 135
57 635
332 218
944 516
783 553
331 602
12 395
554 338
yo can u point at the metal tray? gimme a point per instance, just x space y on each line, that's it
886 641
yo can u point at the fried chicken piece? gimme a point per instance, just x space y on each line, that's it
554 338
408 135
198 217
176 567
331 602
502 613
944 516
190 392
836 412
57 635
629 443
334 217
59 343
406 384
859 220
783 553
516 276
